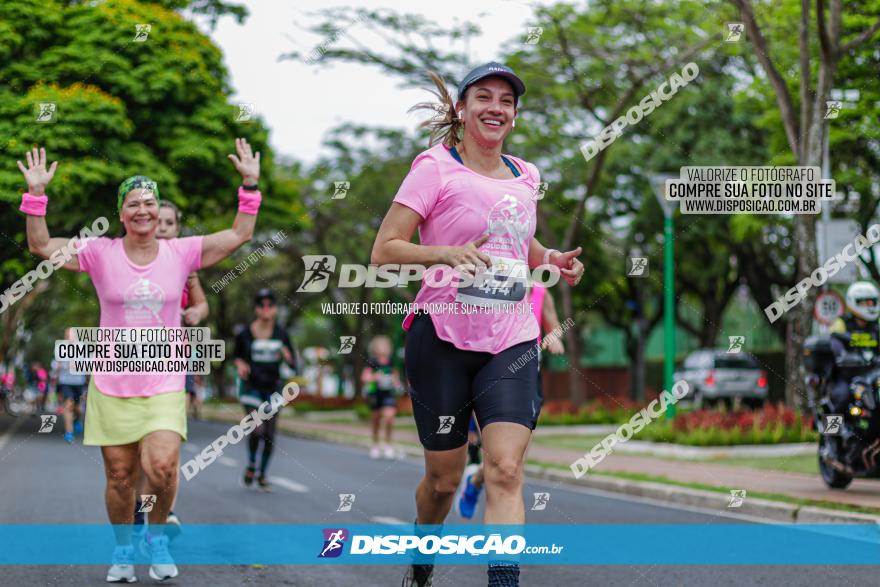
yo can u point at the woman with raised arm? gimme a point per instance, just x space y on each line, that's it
475 210
139 420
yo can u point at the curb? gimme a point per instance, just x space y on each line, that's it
776 511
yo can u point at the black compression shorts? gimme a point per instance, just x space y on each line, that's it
447 384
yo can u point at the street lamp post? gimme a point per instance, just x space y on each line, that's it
668 208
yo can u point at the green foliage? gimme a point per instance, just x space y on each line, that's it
159 107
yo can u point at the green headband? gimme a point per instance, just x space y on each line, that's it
134 182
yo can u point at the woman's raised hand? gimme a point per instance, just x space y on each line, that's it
247 164
36 174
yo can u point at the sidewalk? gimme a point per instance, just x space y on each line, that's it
864 493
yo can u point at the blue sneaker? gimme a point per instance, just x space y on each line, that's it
468 493
68 437
77 427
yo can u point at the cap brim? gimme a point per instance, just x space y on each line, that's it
519 88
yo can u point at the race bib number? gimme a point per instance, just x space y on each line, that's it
503 283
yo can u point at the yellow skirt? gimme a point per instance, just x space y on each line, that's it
114 421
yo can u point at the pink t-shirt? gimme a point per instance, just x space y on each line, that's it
458 206
135 296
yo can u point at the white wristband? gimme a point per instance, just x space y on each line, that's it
547 254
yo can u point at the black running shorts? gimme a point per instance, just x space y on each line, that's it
447 384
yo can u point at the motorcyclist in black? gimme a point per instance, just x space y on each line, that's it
860 323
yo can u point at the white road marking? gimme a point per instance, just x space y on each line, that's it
388 520
5 438
227 461
288 484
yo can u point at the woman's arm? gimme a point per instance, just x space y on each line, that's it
40 243
367 375
219 245
569 267
392 244
198 302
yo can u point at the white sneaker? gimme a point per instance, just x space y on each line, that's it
172 526
388 452
375 453
122 567
162 566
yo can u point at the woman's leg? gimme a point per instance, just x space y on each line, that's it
435 491
374 425
253 443
268 443
504 448
68 414
160 459
120 467
388 413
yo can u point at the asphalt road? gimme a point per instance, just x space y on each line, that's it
45 481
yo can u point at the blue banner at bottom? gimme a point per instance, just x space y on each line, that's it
371 544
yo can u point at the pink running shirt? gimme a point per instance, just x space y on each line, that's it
458 206
135 296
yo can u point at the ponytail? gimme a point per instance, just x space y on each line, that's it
445 125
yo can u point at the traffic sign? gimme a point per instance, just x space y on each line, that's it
828 308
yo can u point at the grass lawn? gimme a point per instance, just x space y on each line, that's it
581 442
806 463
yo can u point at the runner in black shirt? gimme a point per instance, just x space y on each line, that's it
259 350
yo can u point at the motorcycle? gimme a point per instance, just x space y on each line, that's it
849 442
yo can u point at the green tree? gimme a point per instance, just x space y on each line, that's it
827 40
158 106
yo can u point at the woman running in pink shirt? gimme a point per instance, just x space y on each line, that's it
139 420
474 209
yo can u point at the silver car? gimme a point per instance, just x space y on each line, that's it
714 375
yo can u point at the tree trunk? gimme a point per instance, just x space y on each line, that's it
805 234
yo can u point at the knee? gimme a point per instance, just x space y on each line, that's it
504 473
120 476
443 483
161 472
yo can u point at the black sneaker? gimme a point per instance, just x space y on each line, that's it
419 576
264 484
249 474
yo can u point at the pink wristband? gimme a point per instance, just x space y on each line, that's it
248 202
547 254
33 205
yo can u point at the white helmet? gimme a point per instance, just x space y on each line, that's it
863 300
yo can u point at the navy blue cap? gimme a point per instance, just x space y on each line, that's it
493 68
264 294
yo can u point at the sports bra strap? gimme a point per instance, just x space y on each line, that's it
513 168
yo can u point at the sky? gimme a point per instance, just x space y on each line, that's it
300 103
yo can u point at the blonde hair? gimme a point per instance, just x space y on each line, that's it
445 125
374 342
